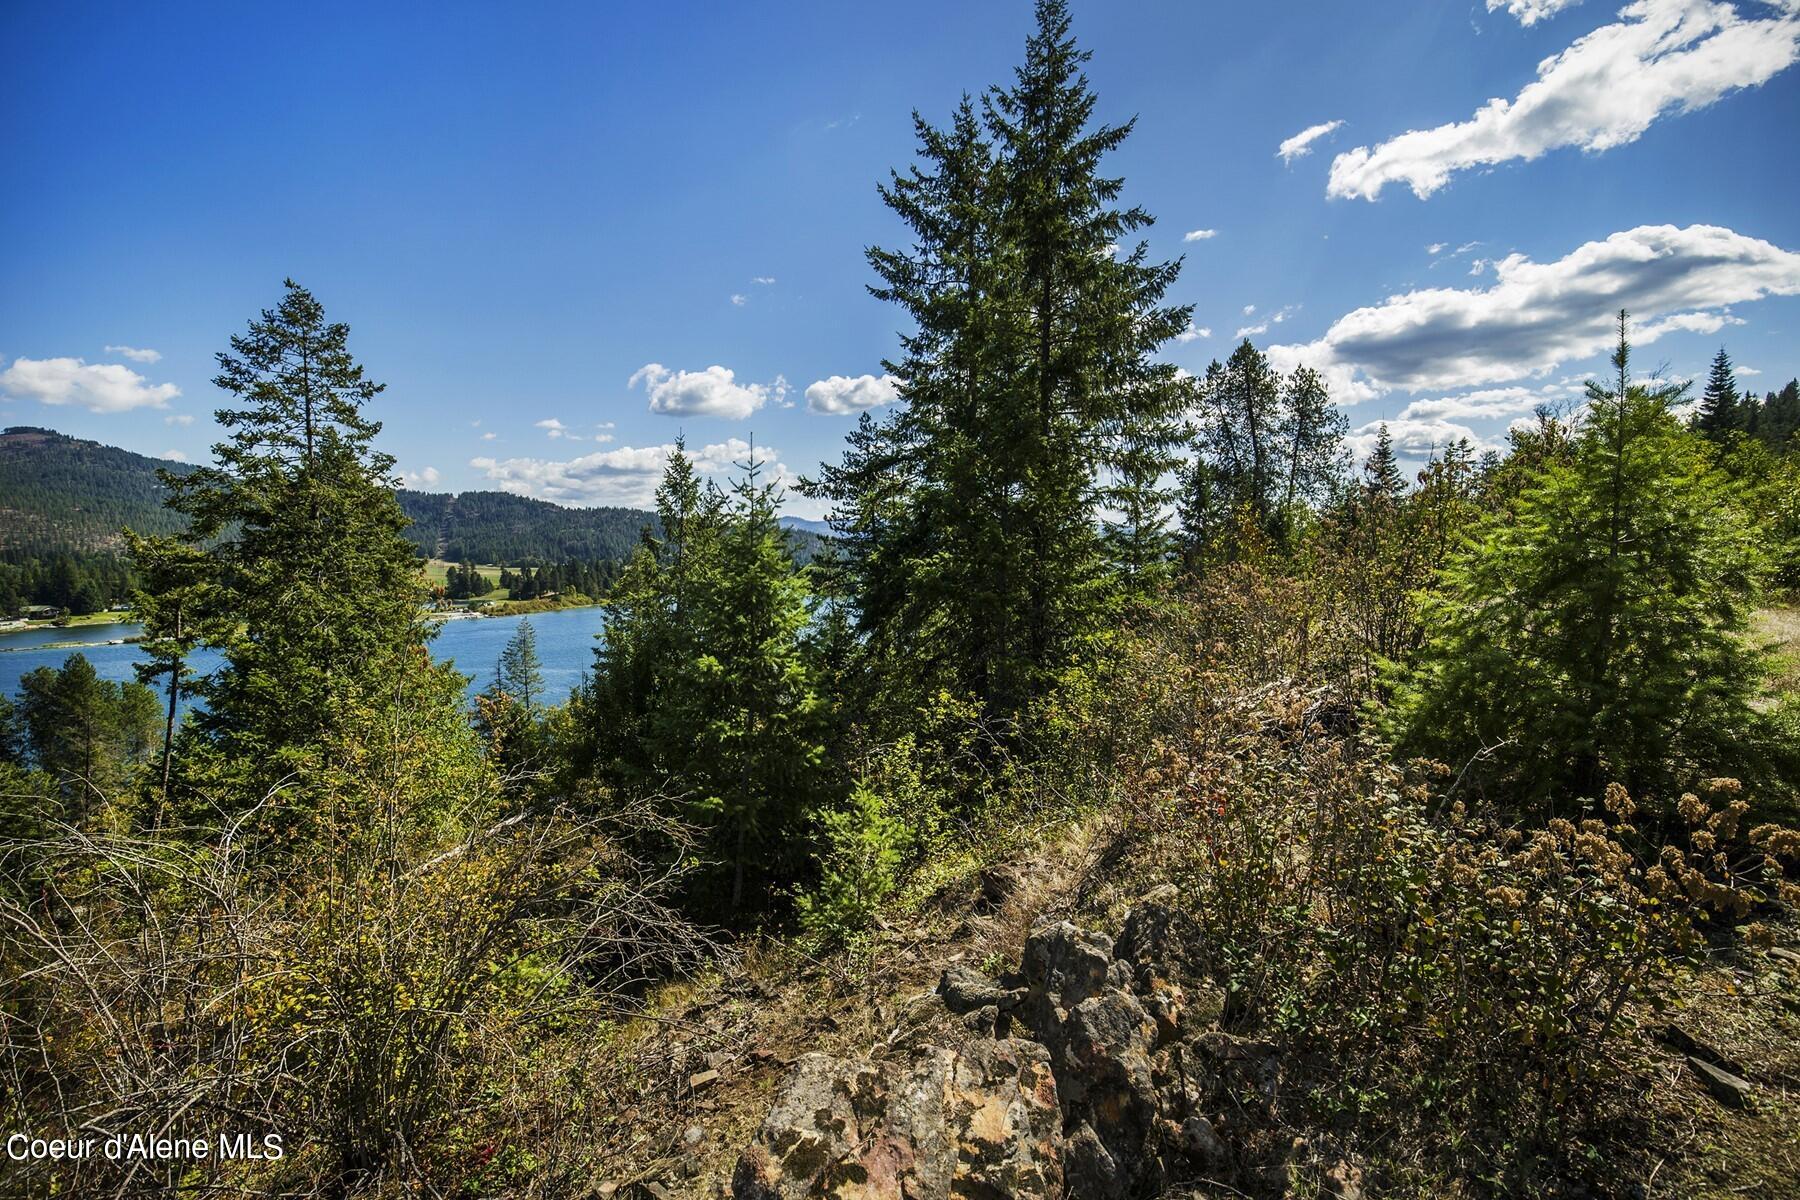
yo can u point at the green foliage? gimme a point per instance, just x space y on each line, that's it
859 860
705 690
1596 633
1031 392
1428 976
1266 447
312 592
86 733
1721 412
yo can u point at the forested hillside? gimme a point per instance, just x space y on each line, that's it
497 527
64 503
59 493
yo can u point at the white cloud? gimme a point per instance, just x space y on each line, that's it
1494 404
1301 143
765 280
1530 12
489 436
97 387
1415 440
1199 235
174 455
1249 309
1536 316
1193 333
424 475
1252 330
625 476
554 428
179 419
1605 90
713 392
739 299
136 355
847 394
1435 248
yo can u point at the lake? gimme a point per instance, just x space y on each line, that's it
565 643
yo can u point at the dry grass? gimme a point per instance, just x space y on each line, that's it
1782 627
1746 1007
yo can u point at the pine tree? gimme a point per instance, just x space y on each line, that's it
174 608
1030 397
313 593
1272 444
1780 417
704 689
1720 412
1381 473
520 672
1597 634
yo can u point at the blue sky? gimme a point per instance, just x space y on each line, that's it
564 233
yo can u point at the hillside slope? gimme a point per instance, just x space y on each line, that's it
60 494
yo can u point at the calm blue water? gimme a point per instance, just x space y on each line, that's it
565 643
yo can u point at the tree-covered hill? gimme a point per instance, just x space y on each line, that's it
496 527
64 494
64 501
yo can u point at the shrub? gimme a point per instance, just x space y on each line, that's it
859 867
1433 973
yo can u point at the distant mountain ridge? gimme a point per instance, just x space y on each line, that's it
60 494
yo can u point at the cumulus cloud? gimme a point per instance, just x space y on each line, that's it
739 299
1252 330
135 354
1605 90
624 476
424 475
1536 316
713 392
840 394
1494 404
765 280
1415 439
1530 12
1193 333
1199 235
174 455
489 436
1300 144
554 428
179 419
97 387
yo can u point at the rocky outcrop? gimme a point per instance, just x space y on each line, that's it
979 1122
1095 1071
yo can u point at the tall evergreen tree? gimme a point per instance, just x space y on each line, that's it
1030 395
313 593
174 608
1721 412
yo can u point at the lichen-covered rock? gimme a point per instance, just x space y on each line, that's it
1112 1095
979 1122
